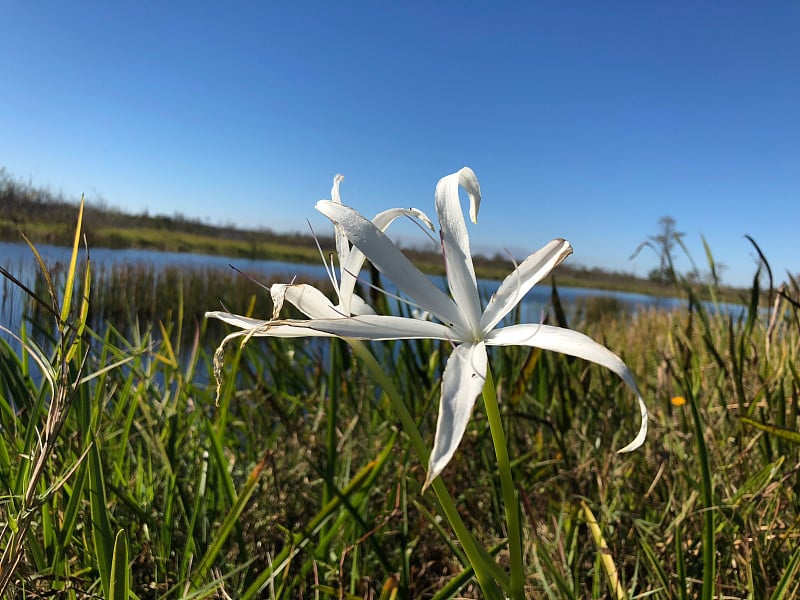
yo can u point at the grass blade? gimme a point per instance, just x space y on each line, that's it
604 553
229 523
101 524
709 536
119 588
73 261
788 579
781 432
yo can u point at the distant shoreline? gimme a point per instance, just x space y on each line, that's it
47 219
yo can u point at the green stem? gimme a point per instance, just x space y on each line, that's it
329 489
330 434
486 569
709 541
509 491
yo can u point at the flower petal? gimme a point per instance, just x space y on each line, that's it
259 328
573 343
383 219
388 259
640 437
308 300
373 327
359 306
462 381
342 245
235 320
346 284
455 241
530 272
351 266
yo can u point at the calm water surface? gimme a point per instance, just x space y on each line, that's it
18 259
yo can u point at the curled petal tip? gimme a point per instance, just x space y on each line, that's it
428 481
640 437
423 217
565 251
469 181
335 195
278 293
434 470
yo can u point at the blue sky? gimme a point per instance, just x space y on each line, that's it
583 120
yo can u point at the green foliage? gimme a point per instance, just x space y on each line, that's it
298 481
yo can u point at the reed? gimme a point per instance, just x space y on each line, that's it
133 296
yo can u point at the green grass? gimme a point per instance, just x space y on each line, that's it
125 476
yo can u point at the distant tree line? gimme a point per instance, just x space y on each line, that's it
23 203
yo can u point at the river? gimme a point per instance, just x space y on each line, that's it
19 260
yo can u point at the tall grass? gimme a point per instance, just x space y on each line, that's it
133 296
299 483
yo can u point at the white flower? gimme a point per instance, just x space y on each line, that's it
462 322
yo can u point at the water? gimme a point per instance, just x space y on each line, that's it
18 259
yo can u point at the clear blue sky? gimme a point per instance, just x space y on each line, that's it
583 120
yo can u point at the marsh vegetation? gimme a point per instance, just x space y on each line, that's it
130 474
123 468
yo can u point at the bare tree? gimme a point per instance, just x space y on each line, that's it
662 244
